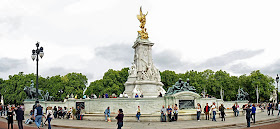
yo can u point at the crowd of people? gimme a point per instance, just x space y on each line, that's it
9 111
167 114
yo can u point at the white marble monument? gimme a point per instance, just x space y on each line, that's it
144 78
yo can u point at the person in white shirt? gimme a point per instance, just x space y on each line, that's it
198 109
49 116
213 108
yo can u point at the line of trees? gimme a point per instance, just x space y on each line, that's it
113 82
12 88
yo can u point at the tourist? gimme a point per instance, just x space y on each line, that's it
83 112
272 108
107 113
69 112
248 115
206 111
76 96
78 113
138 114
198 110
38 114
136 96
237 109
234 109
163 114
222 110
49 116
55 112
106 95
213 108
20 116
169 112
120 119
1 109
175 112
254 113
64 112
142 96
121 96
10 118
125 95
279 109
269 106
160 95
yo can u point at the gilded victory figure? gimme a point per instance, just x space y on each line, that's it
142 18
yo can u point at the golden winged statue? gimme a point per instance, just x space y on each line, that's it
142 18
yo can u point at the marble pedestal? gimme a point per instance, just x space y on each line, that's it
150 89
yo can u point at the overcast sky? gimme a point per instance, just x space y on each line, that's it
90 36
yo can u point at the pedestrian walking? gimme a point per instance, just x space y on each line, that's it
198 111
254 113
107 113
163 114
272 108
10 118
49 116
120 119
234 109
138 114
206 111
38 114
213 108
248 115
222 110
237 109
278 108
20 116
175 112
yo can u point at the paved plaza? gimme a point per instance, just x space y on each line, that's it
231 122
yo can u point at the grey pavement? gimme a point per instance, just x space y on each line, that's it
239 121
231 122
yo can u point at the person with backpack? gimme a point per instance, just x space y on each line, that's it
38 114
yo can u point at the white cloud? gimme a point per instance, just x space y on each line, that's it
75 33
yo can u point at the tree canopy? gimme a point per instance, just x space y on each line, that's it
113 82
72 83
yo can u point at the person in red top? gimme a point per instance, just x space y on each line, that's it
206 111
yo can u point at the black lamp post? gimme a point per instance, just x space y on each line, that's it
277 80
35 55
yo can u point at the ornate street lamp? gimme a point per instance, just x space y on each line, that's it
35 55
277 80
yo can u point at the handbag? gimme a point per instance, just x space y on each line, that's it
7 118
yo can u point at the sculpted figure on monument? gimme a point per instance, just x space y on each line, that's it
132 70
187 86
242 95
142 19
175 88
180 86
